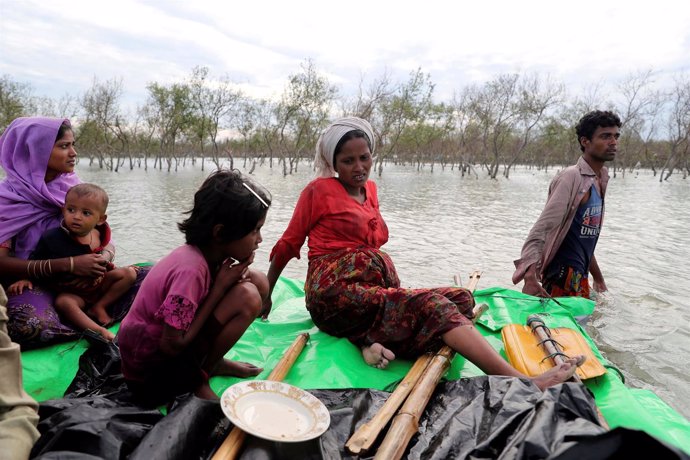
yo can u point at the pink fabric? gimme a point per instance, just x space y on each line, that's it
28 205
333 220
170 294
565 194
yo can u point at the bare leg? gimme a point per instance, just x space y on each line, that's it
236 369
70 307
115 284
235 312
204 391
259 280
467 341
377 355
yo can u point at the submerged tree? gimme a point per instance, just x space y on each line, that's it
101 131
15 100
509 120
409 104
212 102
679 130
638 112
301 114
168 111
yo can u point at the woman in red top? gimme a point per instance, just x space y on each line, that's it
352 289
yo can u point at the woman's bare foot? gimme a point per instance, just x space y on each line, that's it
204 391
377 355
560 373
236 369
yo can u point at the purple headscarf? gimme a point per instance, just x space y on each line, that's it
28 205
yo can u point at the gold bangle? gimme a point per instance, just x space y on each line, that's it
50 269
71 264
28 269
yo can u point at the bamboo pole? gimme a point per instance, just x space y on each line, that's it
289 357
232 445
366 435
553 349
406 422
474 280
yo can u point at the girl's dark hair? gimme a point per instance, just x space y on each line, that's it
64 127
354 134
225 198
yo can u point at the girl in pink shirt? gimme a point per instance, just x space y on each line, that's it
198 301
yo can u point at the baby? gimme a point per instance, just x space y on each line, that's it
83 300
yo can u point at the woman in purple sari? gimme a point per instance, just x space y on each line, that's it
38 157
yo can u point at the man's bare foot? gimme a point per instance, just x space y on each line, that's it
236 369
107 335
101 316
560 373
204 391
377 355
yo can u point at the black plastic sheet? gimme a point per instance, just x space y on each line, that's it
479 418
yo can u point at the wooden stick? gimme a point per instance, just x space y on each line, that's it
289 357
406 422
232 445
456 280
365 436
479 310
474 280
553 349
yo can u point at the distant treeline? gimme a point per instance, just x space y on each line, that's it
484 130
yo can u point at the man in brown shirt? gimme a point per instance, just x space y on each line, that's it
559 251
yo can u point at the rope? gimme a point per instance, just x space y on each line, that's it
554 354
552 340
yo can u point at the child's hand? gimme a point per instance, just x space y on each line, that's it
266 308
230 273
18 287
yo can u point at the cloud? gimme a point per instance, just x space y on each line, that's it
59 46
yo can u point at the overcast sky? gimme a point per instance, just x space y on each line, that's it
59 46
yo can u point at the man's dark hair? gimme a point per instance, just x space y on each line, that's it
592 120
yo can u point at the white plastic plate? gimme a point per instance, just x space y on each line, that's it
275 411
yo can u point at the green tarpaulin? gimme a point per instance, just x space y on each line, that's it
331 363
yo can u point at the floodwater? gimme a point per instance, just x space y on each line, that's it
442 224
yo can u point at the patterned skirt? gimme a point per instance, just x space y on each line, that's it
33 321
357 295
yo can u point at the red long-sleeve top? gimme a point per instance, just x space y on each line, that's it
332 220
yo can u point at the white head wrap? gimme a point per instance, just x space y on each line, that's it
325 146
